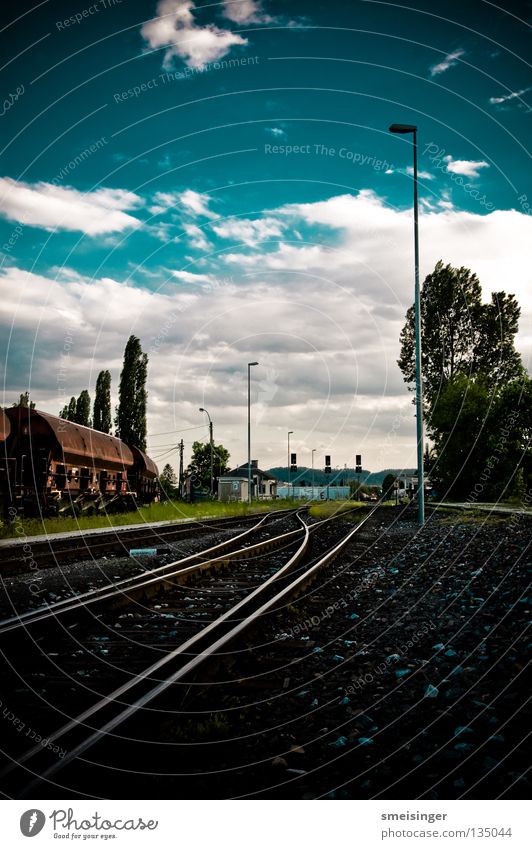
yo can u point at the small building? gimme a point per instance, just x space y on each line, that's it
233 486
313 493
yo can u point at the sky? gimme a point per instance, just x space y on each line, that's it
219 180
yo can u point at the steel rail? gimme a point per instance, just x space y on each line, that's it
112 699
85 544
138 583
201 657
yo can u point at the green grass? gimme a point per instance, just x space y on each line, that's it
332 508
161 512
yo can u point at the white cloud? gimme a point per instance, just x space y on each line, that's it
448 62
322 317
175 29
246 12
63 208
198 239
197 203
249 231
275 131
422 175
465 167
191 277
191 202
505 98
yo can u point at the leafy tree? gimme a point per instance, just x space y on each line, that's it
83 409
388 487
460 334
358 491
24 401
482 436
131 412
200 463
69 411
102 403
168 482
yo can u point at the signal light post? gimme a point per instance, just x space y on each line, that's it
290 432
249 430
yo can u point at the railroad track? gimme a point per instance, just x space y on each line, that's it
83 545
202 633
143 585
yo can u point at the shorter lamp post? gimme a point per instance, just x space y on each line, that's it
203 410
312 454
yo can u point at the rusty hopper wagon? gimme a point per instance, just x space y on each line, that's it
53 466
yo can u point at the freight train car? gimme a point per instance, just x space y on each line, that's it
5 430
54 466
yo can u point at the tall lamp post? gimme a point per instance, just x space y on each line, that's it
404 129
203 410
289 434
312 479
249 430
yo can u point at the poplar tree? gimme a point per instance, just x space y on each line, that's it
83 409
132 396
69 411
102 403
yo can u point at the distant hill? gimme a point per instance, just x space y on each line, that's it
340 477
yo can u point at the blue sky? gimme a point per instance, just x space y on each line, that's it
219 180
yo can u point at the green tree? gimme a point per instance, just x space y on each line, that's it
200 463
69 411
388 487
83 409
168 482
102 403
132 396
24 401
482 438
460 334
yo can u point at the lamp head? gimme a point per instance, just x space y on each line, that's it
252 364
403 128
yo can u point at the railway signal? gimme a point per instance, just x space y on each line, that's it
358 464
327 464
293 463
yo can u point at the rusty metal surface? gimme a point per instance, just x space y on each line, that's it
79 445
5 426
146 465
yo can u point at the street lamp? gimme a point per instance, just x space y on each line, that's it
249 431
404 129
203 410
289 433
312 455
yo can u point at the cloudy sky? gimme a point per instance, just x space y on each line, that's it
218 179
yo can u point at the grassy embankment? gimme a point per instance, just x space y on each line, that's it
166 511
332 508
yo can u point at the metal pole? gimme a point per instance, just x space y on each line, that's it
402 129
289 432
249 434
313 450
419 377
212 458
211 443
249 430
